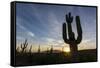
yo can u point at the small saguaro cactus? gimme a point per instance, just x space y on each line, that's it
47 49
51 50
73 43
63 49
24 46
30 49
39 49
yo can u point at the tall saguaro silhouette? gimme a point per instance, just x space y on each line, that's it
67 31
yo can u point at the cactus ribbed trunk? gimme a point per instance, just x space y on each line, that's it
73 48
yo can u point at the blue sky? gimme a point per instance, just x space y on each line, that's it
41 24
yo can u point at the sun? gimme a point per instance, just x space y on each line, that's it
66 49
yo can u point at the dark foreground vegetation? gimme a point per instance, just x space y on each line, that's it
26 58
46 58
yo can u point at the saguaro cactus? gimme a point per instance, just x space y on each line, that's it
47 50
24 46
39 49
30 50
63 49
51 50
71 39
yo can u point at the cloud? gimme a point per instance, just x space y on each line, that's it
50 40
31 34
25 31
89 45
54 42
60 42
20 38
20 26
87 40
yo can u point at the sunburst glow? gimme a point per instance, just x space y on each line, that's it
66 49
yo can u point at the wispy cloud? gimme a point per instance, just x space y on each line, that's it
24 31
54 42
20 38
20 26
86 41
60 42
31 34
50 40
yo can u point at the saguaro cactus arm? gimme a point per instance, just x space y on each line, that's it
25 44
65 34
69 18
79 30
